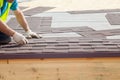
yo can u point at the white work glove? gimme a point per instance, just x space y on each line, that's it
31 34
19 39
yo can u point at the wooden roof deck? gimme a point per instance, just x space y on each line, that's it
60 69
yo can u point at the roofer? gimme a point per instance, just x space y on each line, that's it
5 31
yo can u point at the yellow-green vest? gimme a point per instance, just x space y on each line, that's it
4 16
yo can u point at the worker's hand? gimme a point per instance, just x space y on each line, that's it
31 34
19 39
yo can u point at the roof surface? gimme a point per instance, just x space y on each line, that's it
67 34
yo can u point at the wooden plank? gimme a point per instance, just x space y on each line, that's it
62 69
52 60
4 61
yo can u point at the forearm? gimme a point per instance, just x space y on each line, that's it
5 29
21 19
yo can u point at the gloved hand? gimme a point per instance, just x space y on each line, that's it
31 34
19 39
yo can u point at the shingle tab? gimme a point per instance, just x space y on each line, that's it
113 18
36 10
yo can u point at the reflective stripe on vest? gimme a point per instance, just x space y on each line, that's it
5 14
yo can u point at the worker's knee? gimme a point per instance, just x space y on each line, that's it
4 39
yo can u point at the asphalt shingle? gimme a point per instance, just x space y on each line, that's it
89 43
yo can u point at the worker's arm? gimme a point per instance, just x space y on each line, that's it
18 38
5 29
22 21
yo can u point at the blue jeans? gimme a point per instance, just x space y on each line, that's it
4 39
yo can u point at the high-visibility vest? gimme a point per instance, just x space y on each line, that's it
4 16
